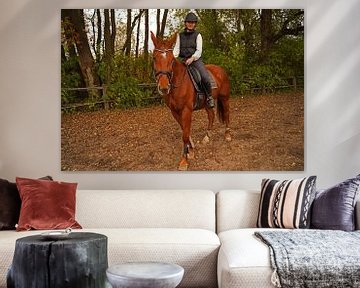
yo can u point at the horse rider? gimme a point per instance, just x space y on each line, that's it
188 46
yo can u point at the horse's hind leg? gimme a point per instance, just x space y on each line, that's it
226 118
223 108
211 117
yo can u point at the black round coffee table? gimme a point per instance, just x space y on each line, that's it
78 260
145 275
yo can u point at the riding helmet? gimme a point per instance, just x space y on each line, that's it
191 17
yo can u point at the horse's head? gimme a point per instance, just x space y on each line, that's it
163 62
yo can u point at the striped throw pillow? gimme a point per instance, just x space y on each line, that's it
286 204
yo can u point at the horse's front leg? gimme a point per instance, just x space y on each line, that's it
188 151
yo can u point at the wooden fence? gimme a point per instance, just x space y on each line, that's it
104 101
293 83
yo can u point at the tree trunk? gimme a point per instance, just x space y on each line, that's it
137 39
157 22
113 31
108 46
99 36
266 33
86 60
128 33
68 51
163 22
109 37
129 30
146 40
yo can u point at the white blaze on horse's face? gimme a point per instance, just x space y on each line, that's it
163 62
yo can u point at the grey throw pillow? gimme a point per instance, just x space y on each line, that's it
334 208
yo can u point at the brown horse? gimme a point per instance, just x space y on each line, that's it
175 85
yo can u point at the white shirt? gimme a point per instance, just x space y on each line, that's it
197 53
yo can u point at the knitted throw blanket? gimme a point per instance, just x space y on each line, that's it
313 258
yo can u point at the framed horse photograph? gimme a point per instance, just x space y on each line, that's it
182 89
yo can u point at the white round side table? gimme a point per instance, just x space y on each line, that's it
145 275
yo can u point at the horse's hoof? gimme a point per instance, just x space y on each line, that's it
228 138
227 135
191 154
206 139
183 167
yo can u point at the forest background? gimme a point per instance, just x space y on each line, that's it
106 53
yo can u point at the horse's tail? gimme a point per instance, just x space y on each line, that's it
220 111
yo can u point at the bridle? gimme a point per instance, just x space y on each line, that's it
168 73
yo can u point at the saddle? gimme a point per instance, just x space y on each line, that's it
195 77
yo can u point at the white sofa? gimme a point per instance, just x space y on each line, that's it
184 227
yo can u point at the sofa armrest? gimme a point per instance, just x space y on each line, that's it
357 215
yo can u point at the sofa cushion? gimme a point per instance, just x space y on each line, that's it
46 204
236 209
334 208
286 204
153 209
244 260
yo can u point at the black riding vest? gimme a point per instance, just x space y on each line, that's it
187 43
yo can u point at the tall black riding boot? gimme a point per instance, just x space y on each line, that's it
210 103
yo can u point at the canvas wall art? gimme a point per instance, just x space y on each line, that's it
182 89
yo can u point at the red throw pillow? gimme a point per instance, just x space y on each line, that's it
46 204
10 204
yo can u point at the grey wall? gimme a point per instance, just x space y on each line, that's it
30 95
